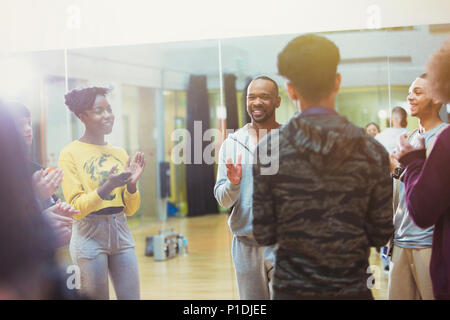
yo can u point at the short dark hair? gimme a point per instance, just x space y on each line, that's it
310 63
268 79
79 100
403 114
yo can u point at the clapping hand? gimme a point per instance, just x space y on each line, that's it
113 181
118 180
234 171
60 218
46 183
405 147
63 209
136 168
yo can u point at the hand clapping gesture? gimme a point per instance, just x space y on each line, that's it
60 218
133 172
234 172
45 183
118 180
405 147
63 209
136 168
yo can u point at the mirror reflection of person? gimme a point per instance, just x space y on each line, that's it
253 263
389 136
100 181
372 129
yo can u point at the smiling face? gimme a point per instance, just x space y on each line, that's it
262 100
99 118
420 102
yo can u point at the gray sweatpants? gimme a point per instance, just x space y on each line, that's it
103 244
253 266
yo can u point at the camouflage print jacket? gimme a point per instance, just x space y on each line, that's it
329 202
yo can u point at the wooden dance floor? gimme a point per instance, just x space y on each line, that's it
206 273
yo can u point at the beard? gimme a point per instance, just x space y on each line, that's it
266 117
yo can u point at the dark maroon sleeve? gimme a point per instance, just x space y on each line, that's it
427 182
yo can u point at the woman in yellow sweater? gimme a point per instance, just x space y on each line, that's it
100 182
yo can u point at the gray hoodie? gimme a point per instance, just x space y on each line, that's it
240 196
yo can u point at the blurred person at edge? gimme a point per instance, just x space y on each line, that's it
372 129
427 179
45 181
28 268
253 263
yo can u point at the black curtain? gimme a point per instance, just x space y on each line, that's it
244 101
200 178
231 101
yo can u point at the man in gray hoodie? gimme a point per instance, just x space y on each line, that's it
331 199
234 188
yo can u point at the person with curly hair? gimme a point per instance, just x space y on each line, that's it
438 70
101 182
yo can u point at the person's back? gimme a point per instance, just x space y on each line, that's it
331 199
327 215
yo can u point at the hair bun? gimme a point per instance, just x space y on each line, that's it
78 100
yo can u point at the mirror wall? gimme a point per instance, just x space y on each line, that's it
153 84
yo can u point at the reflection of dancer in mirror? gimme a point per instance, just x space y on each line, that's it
234 187
101 182
389 138
372 129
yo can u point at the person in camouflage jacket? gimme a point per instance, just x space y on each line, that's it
331 199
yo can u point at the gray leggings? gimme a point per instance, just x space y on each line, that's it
103 244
